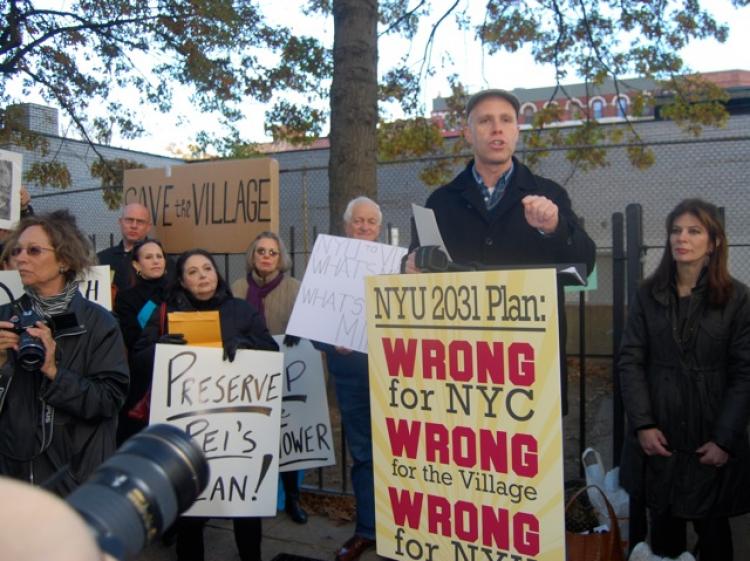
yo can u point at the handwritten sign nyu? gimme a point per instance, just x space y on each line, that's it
232 411
330 306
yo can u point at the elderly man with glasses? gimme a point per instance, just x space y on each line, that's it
135 224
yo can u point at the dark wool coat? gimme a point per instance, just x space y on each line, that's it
86 395
502 237
120 262
695 388
238 320
134 308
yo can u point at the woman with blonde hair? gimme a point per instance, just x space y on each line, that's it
270 288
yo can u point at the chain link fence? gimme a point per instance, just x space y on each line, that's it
714 166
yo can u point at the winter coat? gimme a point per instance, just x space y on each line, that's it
502 237
84 397
238 321
692 382
134 307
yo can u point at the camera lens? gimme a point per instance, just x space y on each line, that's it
137 493
30 352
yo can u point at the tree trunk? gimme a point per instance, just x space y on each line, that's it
352 167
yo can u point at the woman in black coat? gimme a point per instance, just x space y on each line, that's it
134 307
685 376
199 287
65 373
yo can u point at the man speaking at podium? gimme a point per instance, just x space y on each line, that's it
496 212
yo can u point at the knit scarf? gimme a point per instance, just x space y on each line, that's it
256 293
52 305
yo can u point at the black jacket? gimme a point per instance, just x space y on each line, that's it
136 304
86 395
120 262
691 381
238 319
502 237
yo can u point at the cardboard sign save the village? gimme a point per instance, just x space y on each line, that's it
218 206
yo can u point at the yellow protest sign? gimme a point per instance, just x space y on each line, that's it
467 429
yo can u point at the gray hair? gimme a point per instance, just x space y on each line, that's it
361 200
285 261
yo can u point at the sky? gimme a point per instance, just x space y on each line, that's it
455 52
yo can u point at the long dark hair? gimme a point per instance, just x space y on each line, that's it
176 288
717 274
135 256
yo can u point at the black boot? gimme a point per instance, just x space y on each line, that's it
291 490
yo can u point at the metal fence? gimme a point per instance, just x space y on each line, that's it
715 167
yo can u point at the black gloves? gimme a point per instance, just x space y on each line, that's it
290 340
231 346
172 339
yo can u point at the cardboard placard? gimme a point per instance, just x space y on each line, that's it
466 420
218 206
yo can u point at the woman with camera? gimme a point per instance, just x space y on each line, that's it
270 288
685 376
62 360
200 287
134 308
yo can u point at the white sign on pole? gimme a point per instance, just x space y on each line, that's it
306 438
330 306
10 188
232 410
94 286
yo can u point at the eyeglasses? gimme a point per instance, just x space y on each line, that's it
262 251
134 221
31 251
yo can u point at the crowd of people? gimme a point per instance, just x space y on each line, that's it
84 387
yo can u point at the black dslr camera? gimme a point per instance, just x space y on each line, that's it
31 350
137 493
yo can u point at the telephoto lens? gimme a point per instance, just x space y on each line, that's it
137 493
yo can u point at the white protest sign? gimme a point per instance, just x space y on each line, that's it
12 281
330 306
96 286
232 410
306 438
93 286
11 164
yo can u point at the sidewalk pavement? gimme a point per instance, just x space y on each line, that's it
317 540
320 538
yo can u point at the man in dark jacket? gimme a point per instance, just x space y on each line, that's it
135 224
496 212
